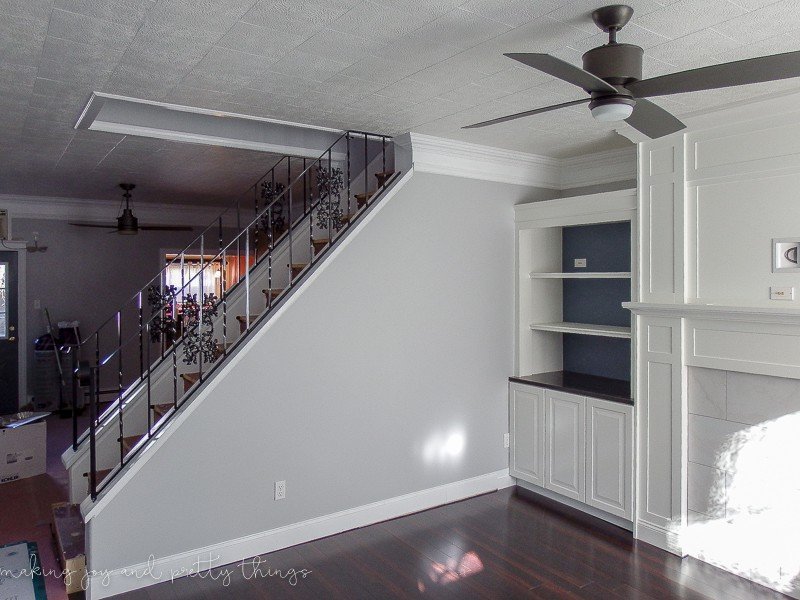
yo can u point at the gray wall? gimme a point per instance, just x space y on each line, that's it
403 340
87 274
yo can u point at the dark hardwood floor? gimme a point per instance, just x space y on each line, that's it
508 544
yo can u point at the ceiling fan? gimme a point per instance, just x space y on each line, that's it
127 224
612 75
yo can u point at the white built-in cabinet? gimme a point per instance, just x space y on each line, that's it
575 446
565 460
526 407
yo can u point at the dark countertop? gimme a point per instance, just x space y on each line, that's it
604 388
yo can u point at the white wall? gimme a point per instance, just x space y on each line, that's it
401 343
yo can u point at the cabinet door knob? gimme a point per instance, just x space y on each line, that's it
12 339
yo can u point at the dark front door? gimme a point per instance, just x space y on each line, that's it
9 339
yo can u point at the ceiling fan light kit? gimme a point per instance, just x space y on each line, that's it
612 76
127 223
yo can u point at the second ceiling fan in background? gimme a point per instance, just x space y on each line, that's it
612 76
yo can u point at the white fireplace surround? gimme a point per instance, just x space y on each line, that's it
710 201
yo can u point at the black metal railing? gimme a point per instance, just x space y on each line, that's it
186 316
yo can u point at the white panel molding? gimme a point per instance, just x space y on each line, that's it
599 168
462 159
105 211
661 222
754 314
105 584
577 210
661 432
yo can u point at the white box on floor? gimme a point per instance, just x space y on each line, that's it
23 451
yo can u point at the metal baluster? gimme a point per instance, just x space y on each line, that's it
238 243
119 385
202 295
255 229
329 200
269 257
141 336
383 141
305 188
224 293
366 168
75 388
247 279
97 355
220 233
348 172
161 286
89 379
291 257
175 357
149 391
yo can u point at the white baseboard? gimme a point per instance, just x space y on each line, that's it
658 537
104 584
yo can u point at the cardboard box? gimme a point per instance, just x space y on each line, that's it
23 451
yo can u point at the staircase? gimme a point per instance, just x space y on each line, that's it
150 359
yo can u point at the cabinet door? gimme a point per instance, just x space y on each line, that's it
526 413
565 465
609 450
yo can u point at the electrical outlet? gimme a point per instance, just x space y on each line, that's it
506 440
781 293
580 263
280 490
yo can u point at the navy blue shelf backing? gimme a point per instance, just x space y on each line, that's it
606 247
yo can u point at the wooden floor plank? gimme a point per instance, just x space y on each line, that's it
508 544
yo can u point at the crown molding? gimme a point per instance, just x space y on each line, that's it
474 161
105 211
599 168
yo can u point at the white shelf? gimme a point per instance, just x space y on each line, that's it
584 329
583 275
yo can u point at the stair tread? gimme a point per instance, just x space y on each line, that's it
191 377
273 291
161 409
69 530
243 318
130 441
384 173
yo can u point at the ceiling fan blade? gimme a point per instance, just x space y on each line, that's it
100 225
527 113
165 228
563 70
740 72
652 120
